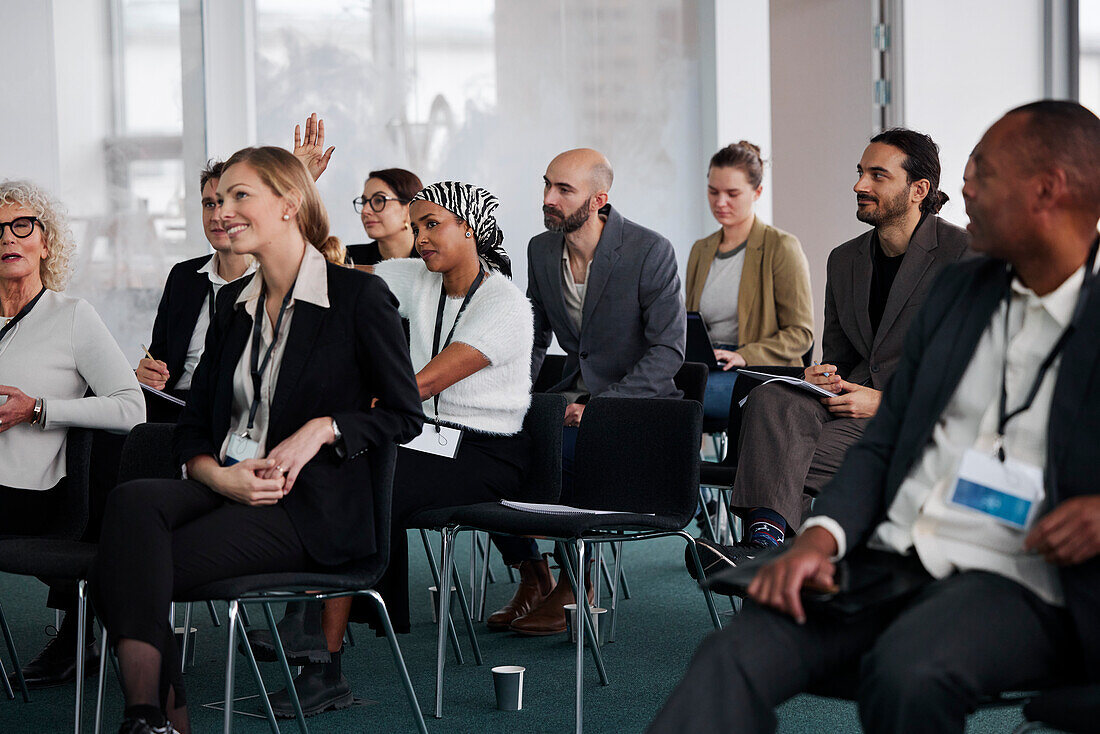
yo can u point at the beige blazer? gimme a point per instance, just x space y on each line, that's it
775 311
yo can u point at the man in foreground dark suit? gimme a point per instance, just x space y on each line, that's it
990 608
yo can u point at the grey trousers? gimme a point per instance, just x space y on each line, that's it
790 444
921 665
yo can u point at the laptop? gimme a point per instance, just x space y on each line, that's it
699 346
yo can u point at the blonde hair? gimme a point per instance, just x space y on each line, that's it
56 269
283 173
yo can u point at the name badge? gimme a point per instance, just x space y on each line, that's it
240 448
438 440
1008 491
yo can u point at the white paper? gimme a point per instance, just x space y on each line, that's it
796 381
548 509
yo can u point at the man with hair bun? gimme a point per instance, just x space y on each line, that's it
792 442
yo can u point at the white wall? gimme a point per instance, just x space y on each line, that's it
821 120
966 64
28 107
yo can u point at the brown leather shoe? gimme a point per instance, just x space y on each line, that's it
548 618
535 584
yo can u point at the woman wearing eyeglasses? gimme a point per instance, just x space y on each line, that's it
384 211
53 348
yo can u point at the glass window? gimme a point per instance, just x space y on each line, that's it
1089 24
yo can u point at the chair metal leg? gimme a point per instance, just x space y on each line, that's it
597 583
616 551
465 609
81 616
582 620
186 636
292 692
259 680
14 656
230 658
485 547
446 552
104 653
4 678
213 613
483 586
708 524
575 582
399 660
511 575
702 579
244 616
349 638
439 587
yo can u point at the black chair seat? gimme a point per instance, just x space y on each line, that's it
437 518
234 588
46 557
518 522
716 475
1073 709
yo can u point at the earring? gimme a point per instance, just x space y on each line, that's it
286 217
408 225
469 234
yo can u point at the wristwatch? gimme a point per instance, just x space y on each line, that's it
36 416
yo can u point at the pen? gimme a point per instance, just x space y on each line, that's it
146 350
815 364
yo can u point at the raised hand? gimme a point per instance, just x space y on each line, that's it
311 150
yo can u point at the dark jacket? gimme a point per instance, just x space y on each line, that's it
184 296
937 350
867 358
335 361
633 326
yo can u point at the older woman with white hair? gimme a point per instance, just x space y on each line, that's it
53 349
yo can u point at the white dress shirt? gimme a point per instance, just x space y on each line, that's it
311 286
198 336
948 538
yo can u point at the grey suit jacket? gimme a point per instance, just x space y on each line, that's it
847 342
633 325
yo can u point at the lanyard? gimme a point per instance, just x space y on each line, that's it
257 368
1003 415
439 324
22 312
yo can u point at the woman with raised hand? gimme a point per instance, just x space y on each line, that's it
275 437
471 334
53 349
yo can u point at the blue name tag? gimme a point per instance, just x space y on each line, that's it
1007 491
1005 507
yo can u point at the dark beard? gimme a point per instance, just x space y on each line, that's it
571 223
888 211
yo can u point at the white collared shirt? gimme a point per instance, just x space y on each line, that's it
949 539
202 323
311 286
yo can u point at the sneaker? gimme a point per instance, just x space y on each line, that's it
716 557
141 726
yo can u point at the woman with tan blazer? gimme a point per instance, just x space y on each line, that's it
749 280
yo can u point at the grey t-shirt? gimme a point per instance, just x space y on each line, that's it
718 303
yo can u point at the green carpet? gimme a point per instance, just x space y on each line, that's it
657 631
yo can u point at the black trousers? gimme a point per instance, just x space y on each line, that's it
922 665
32 513
162 537
487 468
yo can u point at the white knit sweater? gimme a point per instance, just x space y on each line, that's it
498 323
56 352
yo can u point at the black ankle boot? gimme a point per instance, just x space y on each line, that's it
321 687
301 633
55 665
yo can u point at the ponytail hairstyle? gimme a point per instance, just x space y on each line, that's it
922 160
743 155
283 173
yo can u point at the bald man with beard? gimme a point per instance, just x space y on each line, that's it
608 289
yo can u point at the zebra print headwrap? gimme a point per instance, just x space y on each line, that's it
477 207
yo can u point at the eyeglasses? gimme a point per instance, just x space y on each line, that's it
20 226
377 202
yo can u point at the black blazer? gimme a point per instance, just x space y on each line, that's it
335 361
867 358
938 348
184 297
